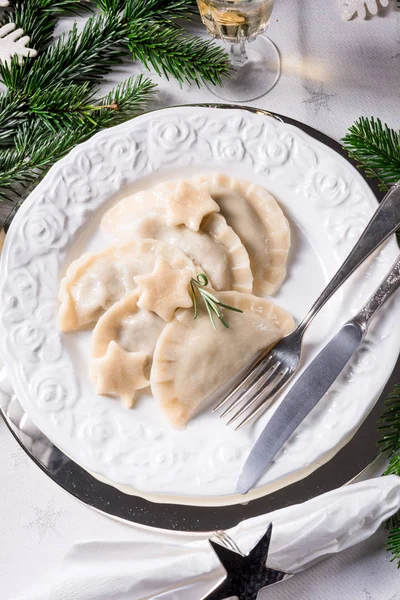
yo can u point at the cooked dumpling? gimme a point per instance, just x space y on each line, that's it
133 329
258 220
188 205
215 247
192 359
119 373
164 289
94 282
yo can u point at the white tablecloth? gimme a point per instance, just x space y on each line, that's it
332 73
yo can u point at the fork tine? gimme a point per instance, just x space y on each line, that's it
252 372
270 373
248 399
267 400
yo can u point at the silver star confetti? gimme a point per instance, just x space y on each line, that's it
319 98
46 520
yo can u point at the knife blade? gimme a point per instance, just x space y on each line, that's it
312 385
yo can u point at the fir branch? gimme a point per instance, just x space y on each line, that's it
62 107
377 148
126 100
171 52
36 148
158 10
73 58
38 18
389 425
12 114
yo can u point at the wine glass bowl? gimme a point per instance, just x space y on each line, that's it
254 58
233 21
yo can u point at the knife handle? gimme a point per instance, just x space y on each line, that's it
384 222
381 295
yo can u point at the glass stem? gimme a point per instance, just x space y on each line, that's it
238 54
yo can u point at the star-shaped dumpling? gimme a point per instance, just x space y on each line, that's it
164 289
188 205
119 373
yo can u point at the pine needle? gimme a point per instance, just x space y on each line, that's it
57 92
36 149
38 18
389 425
377 148
170 52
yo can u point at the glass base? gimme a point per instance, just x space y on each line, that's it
256 77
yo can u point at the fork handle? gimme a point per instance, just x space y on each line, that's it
384 222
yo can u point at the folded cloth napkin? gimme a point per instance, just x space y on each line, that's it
165 566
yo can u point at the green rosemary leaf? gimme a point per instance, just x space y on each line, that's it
229 307
210 315
211 302
194 297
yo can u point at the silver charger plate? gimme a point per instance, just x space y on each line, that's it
346 465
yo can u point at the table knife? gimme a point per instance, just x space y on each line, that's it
313 384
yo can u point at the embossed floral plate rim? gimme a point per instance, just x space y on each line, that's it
46 391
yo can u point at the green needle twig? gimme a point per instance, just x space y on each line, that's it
211 302
389 425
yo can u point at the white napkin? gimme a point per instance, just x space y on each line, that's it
164 566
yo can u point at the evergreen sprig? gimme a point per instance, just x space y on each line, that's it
170 52
36 148
376 147
389 425
57 92
38 18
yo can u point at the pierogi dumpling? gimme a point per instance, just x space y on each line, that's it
133 329
192 359
257 219
215 247
95 281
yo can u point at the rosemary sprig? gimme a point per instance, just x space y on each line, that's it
212 304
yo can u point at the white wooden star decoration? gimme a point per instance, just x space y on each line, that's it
14 42
164 289
119 373
360 7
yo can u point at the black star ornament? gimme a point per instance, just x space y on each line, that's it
245 575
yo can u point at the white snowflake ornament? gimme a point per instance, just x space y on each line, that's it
359 7
13 41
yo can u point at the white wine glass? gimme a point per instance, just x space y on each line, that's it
255 59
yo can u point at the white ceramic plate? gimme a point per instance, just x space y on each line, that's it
328 204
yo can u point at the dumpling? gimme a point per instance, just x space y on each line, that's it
188 205
258 220
94 282
164 289
119 373
192 359
135 331
215 247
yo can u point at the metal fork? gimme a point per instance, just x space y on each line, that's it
272 369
